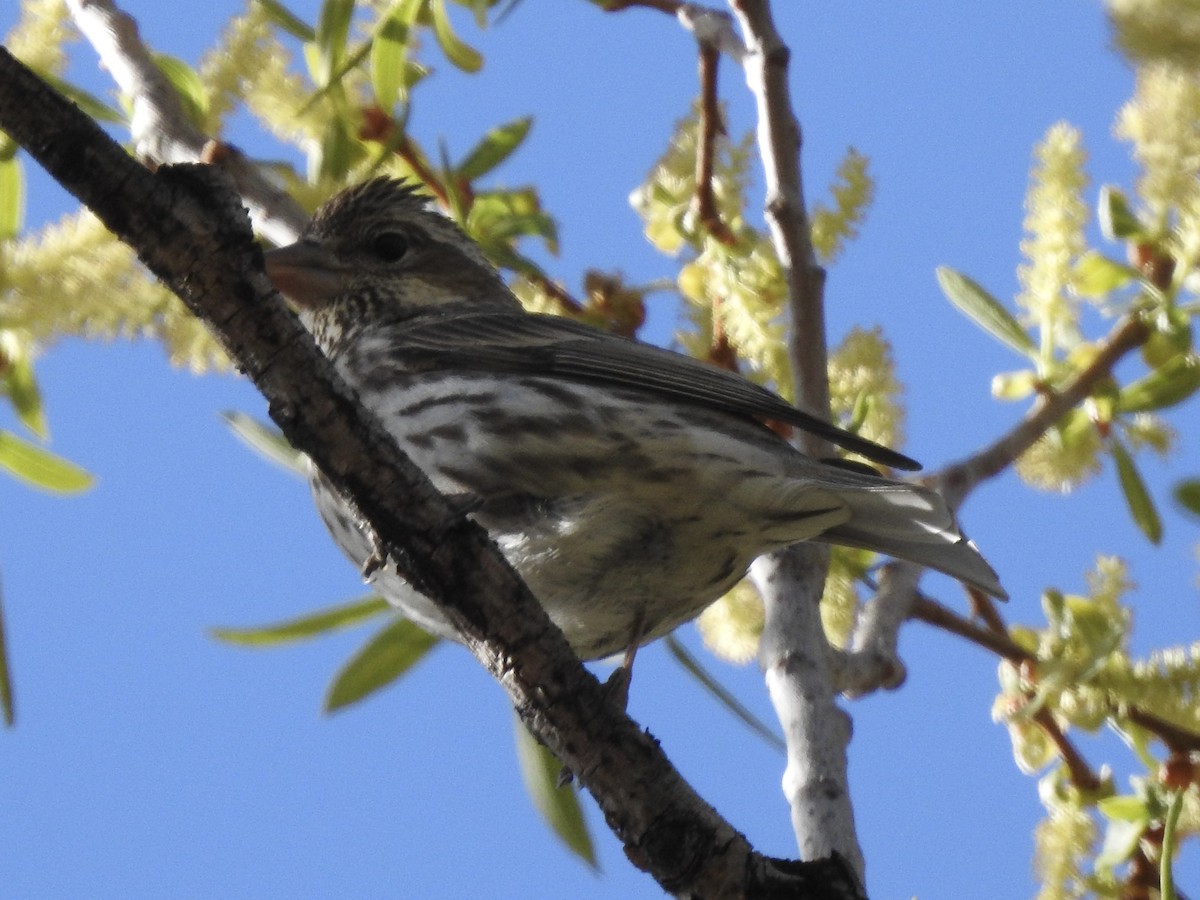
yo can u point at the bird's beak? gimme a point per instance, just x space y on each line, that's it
305 273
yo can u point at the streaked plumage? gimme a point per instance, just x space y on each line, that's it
624 482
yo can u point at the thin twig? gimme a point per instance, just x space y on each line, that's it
1081 774
710 127
958 480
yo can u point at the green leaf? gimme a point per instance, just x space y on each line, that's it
1187 494
385 657
287 20
1117 221
558 805
495 147
41 468
22 390
333 30
500 217
1169 384
1096 276
389 52
984 310
1141 505
12 198
7 703
306 627
463 56
693 667
186 81
89 103
266 441
1169 848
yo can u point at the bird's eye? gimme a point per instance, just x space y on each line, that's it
390 246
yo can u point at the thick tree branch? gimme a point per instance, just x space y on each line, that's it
794 653
188 226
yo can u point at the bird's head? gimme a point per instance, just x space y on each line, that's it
377 251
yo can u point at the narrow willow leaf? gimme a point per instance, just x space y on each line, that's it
389 52
1141 505
558 805
12 198
1166 883
984 310
1096 276
390 653
462 55
495 147
1171 383
188 85
7 703
693 667
266 441
23 391
41 468
1187 494
287 20
333 30
302 628
1117 221
89 103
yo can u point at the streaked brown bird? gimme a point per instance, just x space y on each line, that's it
628 485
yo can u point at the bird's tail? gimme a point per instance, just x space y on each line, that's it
915 524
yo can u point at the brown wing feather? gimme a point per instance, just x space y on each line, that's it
469 338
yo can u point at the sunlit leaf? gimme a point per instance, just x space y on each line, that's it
389 51
1141 504
1096 276
267 441
23 391
494 148
306 627
1168 385
1117 221
558 805
12 198
984 310
188 85
41 468
462 55
333 29
385 657
1127 819
287 20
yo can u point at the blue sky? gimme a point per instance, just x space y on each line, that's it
150 761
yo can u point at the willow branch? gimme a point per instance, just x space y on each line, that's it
710 128
959 479
162 132
794 653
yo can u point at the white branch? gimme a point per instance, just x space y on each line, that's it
161 130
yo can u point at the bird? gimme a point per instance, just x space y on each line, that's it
628 485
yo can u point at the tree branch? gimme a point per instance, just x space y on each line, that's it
162 132
189 228
959 479
794 653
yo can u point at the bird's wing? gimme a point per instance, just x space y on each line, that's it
523 343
